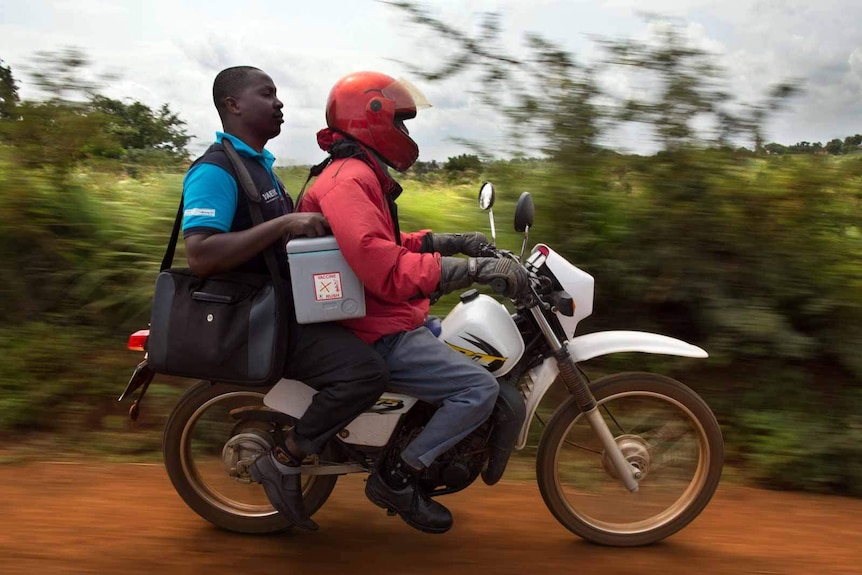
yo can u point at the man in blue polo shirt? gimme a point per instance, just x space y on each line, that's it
219 237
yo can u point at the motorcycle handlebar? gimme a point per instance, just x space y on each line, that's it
488 251
500 285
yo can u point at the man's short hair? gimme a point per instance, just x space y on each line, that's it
229 82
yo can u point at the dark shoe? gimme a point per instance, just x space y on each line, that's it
284 490
415 508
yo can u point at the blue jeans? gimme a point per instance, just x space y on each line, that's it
464 392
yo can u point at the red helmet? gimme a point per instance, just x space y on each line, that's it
371 108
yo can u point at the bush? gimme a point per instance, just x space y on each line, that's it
808 451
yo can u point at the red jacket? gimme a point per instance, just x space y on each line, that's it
397 278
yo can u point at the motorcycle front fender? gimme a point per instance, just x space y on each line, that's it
592 345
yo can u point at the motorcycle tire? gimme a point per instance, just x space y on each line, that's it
196 467
664 428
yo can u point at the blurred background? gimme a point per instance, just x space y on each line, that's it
712 193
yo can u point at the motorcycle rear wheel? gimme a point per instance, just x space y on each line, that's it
207 454
664 428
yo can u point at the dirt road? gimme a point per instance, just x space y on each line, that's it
126 519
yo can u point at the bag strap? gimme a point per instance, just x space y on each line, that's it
251 191
168 259
312 173
244 182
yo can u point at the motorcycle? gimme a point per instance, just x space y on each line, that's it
626 460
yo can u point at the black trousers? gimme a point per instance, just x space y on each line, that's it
347 373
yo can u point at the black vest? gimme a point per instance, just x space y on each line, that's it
273 203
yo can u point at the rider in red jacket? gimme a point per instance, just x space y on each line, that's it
355 195
365 135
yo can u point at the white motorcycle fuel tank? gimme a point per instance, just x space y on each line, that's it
482 328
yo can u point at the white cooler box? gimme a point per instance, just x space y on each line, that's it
324 286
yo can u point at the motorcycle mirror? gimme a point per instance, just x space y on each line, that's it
486 196
524 212
486 202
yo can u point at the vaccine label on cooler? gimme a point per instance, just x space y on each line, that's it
327 286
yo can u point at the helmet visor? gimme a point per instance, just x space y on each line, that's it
407 97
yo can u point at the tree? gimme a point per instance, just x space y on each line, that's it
138 127
834 146
60 130
74 122
64 75
690 92
852 143
463 163
8 92
546 94
420 168
554 103
687 85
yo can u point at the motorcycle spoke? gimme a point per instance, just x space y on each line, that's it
614 419
542 421
218 471
659 435
582 447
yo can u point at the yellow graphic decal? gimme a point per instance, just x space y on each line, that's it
475 355
386 402
385 405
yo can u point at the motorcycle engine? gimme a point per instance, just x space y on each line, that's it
460 466
453 470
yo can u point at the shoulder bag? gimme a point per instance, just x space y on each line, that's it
230 327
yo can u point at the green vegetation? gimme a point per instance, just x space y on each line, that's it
761 269
74 124
751 254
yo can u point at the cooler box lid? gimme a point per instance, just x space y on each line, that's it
305 245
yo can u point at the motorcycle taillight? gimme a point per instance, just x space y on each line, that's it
138 340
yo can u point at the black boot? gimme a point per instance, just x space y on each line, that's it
279 473
395 489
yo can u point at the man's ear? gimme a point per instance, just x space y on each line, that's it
230 104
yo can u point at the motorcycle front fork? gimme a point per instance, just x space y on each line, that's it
578 386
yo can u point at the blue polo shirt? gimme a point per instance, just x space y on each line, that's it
210 192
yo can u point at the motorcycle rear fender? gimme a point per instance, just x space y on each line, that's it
373 427
592 345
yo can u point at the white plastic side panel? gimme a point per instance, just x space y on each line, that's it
483 330
592 345
289 396
373 427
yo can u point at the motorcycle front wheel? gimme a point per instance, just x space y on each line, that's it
208 452
664 429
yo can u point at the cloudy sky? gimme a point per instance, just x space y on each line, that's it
168 51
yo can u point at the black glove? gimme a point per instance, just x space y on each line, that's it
508 276
468 244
